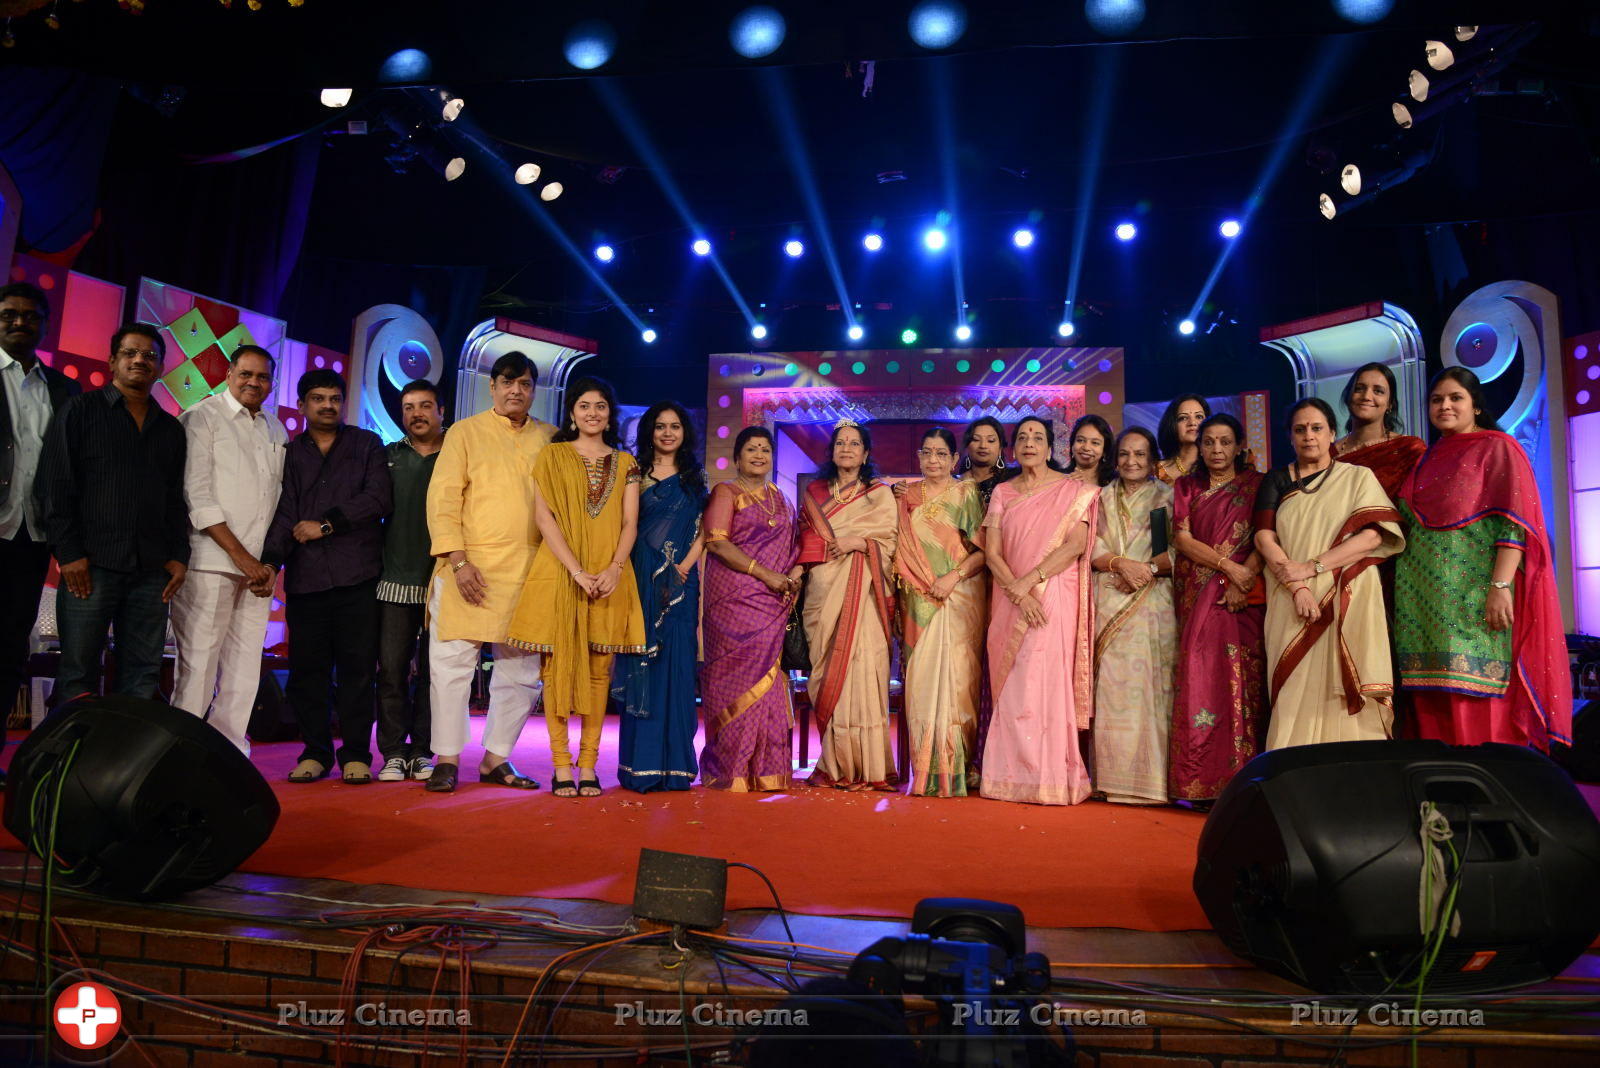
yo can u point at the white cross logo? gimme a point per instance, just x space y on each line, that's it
82 1010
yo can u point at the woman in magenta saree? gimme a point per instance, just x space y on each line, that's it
1219 687
750 584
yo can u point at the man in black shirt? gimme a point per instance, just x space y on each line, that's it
110 489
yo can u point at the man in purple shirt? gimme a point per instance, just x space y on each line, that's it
328 534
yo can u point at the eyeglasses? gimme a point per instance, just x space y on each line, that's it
129 354
12 315
934 454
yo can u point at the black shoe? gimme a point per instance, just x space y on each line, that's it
443 779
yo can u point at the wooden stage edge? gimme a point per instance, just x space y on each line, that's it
249 973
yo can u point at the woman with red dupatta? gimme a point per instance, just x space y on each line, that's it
1478 620
1219 686
1041 627
1323 527
1374 440
847 541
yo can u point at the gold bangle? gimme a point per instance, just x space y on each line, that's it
750 568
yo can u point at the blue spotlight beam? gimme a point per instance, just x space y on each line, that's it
944 114
781 101
1107 68
1331 57
623 115
529 201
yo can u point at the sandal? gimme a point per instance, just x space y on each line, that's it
589 788
560 787
443 779
308 770
506 775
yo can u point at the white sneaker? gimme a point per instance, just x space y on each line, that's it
422 768
394 770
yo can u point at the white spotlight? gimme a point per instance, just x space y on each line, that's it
526 174
550 192
648 336
1326 205
452 109
1350 179
455 169
758 331
1440 56
1066 329
794 249
335 98
1186 327
605 253
1022 238
1230 228
855 333
934 239
701 247
963 332
1127 231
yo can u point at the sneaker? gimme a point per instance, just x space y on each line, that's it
422 768
394 770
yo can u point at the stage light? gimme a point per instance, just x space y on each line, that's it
589 44
1022 238
1126 231
934 239
605 253
1230 228
648 336
757 32
451 111
1066 329
1440 55
794 249
701 247
908 336
937 23
1186 327
855 333
1114 17
758 332
335 98
550 192
1363 11
406 65
1350 179
872 242
1326 205
455 169
963 332
526 174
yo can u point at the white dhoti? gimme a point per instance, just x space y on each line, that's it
514 689
219 627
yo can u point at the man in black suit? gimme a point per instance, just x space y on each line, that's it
30 395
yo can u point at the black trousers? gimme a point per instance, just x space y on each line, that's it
333 634
23 565
403 708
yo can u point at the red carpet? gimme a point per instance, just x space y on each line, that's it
827 851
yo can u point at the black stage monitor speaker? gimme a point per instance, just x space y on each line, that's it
680 888
1310 865
146 800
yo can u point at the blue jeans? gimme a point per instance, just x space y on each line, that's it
130 601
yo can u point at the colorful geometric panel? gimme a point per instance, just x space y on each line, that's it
212 365
187 385
191 333
84 311
239 335
1580 373
203 333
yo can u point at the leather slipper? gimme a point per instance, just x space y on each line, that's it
505 775
443 779
308 770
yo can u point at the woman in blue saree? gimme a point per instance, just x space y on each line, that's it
657 689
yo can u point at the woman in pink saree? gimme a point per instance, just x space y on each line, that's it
847 542
1041 628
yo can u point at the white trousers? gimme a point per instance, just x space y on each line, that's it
514 688
219 627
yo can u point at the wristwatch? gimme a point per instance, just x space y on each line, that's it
1500 585
1316 565
458 565
326 528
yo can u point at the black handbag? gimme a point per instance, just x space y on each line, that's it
796 649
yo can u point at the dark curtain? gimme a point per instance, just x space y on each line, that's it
54 130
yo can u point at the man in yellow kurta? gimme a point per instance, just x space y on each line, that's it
480 517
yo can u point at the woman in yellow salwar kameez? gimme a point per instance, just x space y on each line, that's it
942 618
580 604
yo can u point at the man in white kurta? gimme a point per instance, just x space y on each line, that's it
230 485
480 518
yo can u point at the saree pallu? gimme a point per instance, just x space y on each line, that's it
552 616
1470 495
744 692
1136 642
656 687
1390 460
1042 676
941 639
1332 678
848 618
1219 683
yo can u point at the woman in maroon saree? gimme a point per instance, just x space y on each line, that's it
1219 688
751 581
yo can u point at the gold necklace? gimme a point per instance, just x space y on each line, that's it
930 508
761 502
838 494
